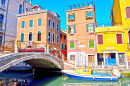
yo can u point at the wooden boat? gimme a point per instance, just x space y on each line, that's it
93 76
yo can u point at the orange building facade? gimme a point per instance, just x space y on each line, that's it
81 44
63 44
42 27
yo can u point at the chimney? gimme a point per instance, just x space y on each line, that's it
31 2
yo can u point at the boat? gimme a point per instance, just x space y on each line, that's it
86 74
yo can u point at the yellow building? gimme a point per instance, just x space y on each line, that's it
114 42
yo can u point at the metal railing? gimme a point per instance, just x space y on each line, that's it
109 24
7 46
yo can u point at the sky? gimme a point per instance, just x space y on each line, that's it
102 8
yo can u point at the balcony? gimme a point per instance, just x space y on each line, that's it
109 24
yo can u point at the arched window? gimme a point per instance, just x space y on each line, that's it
57 39
30 36
49 37
22 37
1 20
53 38
127 12
39 36
20 9
3 2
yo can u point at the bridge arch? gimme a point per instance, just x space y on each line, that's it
35 59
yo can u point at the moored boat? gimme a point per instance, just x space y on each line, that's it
87 76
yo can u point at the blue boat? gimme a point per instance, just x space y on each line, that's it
94 76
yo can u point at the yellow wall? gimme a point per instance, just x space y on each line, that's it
109 38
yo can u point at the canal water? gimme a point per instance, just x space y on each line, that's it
42 78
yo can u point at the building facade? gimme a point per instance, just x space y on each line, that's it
63 44
8 19
113 42
42 27
81 43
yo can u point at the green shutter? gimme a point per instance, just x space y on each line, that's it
68 29
31 23
22 37
39 22
93 27
91 44
87 27
39 32
23 24
86 14
74 15
68 16
74 29
72 45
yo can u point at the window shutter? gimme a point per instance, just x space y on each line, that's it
100 39
68 16
86 14
93 27
119 38
127 12
68 29
22 37
74 29
87 27
74 15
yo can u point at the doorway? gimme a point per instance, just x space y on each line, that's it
111 57
91 60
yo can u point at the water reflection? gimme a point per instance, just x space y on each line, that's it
52 79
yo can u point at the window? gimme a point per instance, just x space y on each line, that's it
30 36
72 46
90 27
1 21
100 39
3 2
71 29
91 43
39 36
89 14
71 17
20 9
53 38
49 37
0 40
23 24
49 23
119 38
60 35
62 46
39 22
127 12
57 27
30 23
36 9
64 37
22 37
54 25
65 46
57 39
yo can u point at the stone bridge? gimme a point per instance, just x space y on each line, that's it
35 59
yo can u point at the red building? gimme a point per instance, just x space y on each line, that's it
63 44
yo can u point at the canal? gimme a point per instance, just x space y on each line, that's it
46 78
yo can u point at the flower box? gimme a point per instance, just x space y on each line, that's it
89 18
71 20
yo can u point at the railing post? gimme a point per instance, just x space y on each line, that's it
102 65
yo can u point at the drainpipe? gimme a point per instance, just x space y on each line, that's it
5 23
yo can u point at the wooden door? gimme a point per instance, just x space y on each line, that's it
90 57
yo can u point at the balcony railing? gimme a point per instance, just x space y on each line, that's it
109 24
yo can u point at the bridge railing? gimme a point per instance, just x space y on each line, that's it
7 46
31 46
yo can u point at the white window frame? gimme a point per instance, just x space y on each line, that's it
58 39
54 38
48 23
41 36
92 27
57 27
24 36
32 35
61 46
53 27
